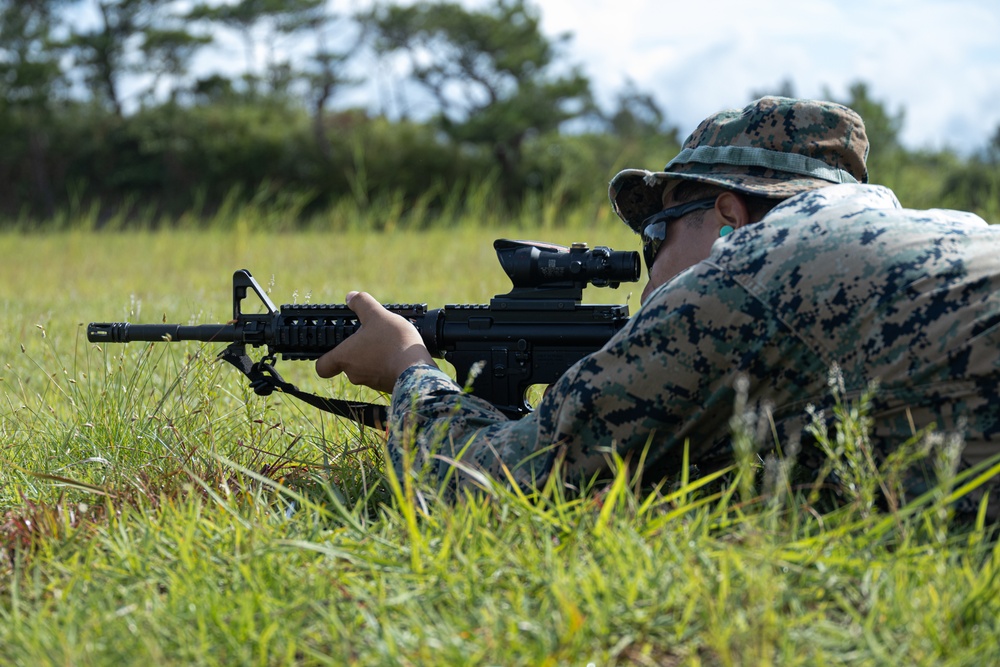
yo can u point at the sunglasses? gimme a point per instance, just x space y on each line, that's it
654 228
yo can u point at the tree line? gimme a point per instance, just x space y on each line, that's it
507 108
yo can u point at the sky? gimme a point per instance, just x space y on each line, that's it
937 60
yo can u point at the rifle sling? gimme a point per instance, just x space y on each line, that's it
264 380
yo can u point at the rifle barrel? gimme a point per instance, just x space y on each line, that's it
126 332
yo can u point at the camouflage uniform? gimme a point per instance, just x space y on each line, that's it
839 275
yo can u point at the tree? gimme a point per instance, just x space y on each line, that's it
30 82
882 127
323 73
272 17
168 52
993 148
491 72
30 75
325 68
323 78
132 37
637 114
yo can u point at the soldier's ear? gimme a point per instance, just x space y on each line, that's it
731 210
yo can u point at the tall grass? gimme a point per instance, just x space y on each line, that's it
153 510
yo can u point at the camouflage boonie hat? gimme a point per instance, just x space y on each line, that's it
776 147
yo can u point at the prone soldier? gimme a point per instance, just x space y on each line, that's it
770 259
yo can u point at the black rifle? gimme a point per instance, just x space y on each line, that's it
529 336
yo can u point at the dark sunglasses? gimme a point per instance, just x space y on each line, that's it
654 228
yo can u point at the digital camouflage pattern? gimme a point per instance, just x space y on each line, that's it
775 147
837 276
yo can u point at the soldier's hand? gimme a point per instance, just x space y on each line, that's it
375 355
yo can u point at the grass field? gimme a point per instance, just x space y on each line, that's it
153 511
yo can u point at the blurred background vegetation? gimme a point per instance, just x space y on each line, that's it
107 121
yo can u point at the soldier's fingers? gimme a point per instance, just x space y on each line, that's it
329 364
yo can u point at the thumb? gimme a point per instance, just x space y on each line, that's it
363 304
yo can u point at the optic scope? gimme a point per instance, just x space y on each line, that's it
531 265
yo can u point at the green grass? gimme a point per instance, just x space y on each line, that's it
153 511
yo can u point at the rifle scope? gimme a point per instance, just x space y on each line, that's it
530 264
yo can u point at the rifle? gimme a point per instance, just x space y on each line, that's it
528 336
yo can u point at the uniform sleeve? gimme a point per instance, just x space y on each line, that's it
666 377
435 424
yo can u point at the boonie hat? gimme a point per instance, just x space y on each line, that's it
776 147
